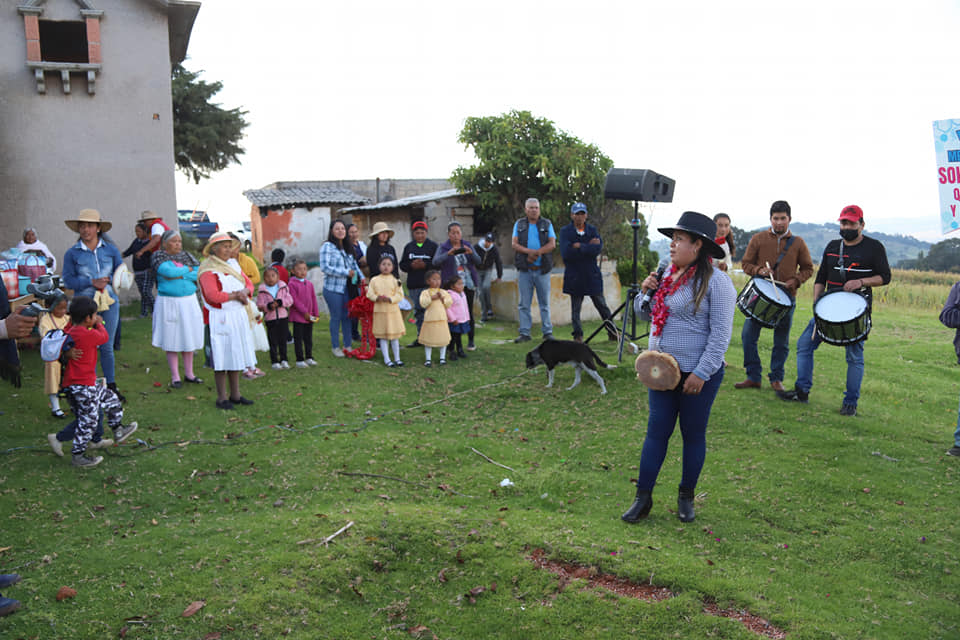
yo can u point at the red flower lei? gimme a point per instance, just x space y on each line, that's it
661 311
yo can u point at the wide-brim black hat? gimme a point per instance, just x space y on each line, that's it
700 226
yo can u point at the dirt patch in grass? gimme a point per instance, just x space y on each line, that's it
568 571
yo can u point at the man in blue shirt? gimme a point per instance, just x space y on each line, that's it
533 243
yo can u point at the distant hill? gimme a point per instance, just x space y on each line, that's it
899 247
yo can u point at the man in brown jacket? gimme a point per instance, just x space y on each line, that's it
775 250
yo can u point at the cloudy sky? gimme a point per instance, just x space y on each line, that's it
821 103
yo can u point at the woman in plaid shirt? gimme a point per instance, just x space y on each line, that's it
691 319
338 266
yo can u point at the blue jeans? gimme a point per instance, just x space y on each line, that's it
527 281
339 320
418 311
111 319
781 347
694 413
68 432
956 434
808 343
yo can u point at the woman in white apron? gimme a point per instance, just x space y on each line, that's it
227 300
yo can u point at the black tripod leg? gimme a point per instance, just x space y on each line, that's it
603 325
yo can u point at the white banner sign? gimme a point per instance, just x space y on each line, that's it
946 138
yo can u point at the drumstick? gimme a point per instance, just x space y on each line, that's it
772 281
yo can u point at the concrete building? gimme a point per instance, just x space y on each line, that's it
86 112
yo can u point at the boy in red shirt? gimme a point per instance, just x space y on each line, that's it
86 396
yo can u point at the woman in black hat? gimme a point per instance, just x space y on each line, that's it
691 319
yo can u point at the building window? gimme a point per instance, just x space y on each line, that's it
63 41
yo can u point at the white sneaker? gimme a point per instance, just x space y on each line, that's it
338 352
284 365
55 444
312 362
276 366
103 444
301 364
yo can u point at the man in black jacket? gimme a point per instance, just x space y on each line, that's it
489 260
415 260
853 263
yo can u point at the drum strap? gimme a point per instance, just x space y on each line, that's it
786 247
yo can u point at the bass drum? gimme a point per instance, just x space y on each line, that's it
765 302
842 318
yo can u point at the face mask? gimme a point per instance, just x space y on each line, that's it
849 234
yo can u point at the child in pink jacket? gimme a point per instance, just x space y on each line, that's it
273 300
304 312
458 318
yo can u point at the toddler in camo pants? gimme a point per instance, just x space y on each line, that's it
86 394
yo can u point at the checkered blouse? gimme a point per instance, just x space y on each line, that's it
699 340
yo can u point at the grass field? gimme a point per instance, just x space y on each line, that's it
826 526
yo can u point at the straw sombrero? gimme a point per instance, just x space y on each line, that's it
379 228
220 236
148 215
88 215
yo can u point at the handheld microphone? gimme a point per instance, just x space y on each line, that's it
648 296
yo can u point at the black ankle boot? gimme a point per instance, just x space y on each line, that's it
113 387
685 505
640 507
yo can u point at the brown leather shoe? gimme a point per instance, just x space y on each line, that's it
747 384
777 386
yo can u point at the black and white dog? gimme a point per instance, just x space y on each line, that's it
554 352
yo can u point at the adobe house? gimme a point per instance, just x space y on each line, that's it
295 217
86 112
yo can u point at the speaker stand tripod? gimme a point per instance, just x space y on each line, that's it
627 307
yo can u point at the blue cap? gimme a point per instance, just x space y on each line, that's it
578 207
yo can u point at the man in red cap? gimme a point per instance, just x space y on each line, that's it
853 263
416 259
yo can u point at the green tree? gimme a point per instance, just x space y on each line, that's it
943 256
741 239
206 137
613 223
521 156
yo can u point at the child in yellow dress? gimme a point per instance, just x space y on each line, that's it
56 319
386 293
435 332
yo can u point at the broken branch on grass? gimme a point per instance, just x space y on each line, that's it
327 540
416 484
491 461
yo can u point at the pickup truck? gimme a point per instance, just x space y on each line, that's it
196 224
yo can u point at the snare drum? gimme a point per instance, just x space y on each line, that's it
765 302
842 318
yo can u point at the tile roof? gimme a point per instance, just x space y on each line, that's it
406 202
303 195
